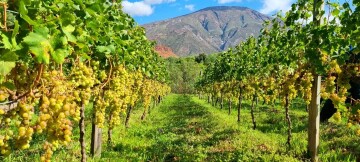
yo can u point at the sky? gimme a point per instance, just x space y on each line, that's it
147 11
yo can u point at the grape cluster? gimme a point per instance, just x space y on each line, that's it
289 88
18 119
83 79
3 95
24 77
329 90
136 80
119 95
4 145
334 67
57 109
146 92
337 116
305 87
5 138
116 108
355 118
100 108
125 89
48 152
271 90
25 131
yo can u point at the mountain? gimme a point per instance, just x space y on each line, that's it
209 30
165 51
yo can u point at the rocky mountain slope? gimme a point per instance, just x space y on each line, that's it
165 51
209 30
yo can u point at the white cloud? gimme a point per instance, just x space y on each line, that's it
190 7
142 8
270 6
152 2
137 8
227 1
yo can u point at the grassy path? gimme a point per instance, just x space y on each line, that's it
188 129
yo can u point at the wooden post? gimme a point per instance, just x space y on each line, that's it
143 116
252 112
314 120
222 101
82 133
212 100
96 141
288 119
96 137
230 104
239 106
109 133
216 101
154 101
314 112
149 109
128 114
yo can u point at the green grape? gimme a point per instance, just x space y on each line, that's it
337 116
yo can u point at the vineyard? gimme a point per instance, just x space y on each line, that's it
59 56
74 73
289 60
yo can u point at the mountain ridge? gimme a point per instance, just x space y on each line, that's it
209 30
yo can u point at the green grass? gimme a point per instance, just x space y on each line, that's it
185 128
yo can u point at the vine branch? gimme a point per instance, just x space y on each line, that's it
109 77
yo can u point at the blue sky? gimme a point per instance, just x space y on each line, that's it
147 11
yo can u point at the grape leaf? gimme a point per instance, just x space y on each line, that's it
14 33
66 18
7 55
6 67
39 45
105 49
59 55
68 32
6 42
23 13
102 49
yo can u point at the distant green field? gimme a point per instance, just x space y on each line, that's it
185 128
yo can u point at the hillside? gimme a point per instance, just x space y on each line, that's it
208 30
165 51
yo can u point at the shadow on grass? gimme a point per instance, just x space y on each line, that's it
224 135
276 123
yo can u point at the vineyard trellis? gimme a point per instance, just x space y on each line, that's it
58 56
289 60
